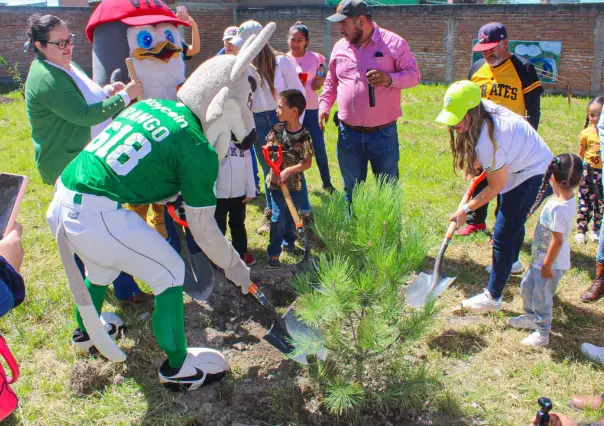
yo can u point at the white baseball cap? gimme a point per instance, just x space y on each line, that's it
245 31
229 33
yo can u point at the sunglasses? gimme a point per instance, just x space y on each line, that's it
62 44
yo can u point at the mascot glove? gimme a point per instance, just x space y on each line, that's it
209 238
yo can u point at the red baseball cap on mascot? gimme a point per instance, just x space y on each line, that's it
132 12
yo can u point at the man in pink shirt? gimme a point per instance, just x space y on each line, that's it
367 57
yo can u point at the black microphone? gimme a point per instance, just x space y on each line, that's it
543 416
371 93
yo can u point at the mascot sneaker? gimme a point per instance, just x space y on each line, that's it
201 366
112 323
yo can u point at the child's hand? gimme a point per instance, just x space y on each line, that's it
247 200
284 175
546 271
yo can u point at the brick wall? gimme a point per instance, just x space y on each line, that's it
439 36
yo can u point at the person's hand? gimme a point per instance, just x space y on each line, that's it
116 87
459 216
546 271
379 78
11 248
284 175
323 118
556 419
183 15
247 200
317 83
134 89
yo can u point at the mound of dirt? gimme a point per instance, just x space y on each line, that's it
89 376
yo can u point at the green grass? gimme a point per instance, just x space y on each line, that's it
486 374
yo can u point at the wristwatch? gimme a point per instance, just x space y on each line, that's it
466 209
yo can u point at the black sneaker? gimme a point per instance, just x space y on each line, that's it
273 262
201 367
83 342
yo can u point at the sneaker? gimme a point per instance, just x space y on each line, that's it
523 322
248 259
580 238
83 342
593 352
273 262
471 229
536 339
594 236
517 268
201 367
483 302
266 223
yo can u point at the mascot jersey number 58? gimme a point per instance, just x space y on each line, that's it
152 151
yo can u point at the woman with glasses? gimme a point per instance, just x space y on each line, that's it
66 110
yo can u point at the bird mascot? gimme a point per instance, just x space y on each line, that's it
154 151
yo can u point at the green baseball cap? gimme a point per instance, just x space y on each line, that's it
460 97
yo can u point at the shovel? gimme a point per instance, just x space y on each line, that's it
427 286
199 274
307 263
285 329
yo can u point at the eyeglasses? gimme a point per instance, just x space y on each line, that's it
62 44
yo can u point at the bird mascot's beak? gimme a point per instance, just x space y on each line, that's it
164 51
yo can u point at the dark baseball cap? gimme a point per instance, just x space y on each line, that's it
349 8
489 36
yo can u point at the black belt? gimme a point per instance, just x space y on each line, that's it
368 129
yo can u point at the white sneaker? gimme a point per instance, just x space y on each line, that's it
594 236
580 238
517 268
593 352
483 302
201 366
536 339
523 322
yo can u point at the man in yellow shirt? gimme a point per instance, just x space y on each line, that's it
507 80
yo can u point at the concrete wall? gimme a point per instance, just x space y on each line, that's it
439 36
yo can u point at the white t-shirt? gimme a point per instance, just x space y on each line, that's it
93 93
519 147
556 216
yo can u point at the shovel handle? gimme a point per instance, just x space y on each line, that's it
132 72
290 205
451 230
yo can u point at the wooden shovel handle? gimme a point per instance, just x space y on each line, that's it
132 73
290 205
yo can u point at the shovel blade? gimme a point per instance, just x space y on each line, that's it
284 332
199 276
419 290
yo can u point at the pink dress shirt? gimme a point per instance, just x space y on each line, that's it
347 79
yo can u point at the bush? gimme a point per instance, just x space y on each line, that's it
356 299
15 75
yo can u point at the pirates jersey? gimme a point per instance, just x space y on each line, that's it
508 83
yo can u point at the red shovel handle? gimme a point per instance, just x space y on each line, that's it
275 165
175 217
10 361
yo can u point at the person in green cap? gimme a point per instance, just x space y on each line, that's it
484 134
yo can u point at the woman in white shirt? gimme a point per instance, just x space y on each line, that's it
277 73
515 158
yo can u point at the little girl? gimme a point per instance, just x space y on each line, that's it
550 249
589 150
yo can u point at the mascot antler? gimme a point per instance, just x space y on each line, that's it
220 93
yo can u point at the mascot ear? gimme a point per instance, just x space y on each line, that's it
216 107
250 50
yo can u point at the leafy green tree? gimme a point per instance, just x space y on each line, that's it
15 74
356 299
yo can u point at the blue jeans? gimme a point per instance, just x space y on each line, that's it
311 122
538 296
124 285
356 150
254 165
264 122
508 233
283 228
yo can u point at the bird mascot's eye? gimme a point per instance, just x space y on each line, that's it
169 36
144 39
